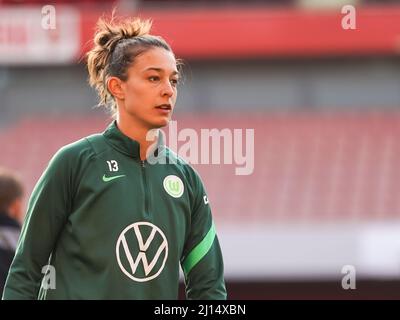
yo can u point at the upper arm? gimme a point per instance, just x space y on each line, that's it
47 212
202 260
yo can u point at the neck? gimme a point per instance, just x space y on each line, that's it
137 132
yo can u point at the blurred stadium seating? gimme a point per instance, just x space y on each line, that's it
308 167
323 102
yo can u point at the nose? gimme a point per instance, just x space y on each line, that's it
167 89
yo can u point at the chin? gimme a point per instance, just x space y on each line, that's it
160 123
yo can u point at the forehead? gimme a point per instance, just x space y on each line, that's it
156 58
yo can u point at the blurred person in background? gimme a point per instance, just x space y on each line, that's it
11 197
113 224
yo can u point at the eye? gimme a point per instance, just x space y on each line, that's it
174 82
154 78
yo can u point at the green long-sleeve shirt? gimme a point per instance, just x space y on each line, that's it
114 227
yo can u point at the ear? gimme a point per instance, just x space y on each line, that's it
115 86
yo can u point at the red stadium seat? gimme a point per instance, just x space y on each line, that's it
306 167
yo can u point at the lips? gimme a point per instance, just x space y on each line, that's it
164 107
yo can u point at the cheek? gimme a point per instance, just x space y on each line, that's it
133 94
139 90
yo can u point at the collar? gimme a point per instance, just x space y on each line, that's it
128 146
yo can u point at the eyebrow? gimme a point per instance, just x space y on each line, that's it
175 72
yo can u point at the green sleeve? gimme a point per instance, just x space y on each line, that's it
46 215
202 261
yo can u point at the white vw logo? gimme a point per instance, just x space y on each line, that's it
156 246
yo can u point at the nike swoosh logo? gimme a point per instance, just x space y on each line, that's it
107 179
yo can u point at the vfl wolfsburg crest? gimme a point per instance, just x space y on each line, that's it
174 186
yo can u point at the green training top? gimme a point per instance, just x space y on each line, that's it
111 226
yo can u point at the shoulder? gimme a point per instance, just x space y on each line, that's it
192 180
73 153
191 175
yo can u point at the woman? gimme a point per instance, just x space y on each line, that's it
110 223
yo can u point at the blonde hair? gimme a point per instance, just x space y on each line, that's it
116 45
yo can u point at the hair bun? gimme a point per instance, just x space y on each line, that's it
103 39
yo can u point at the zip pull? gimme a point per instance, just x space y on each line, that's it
142 162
